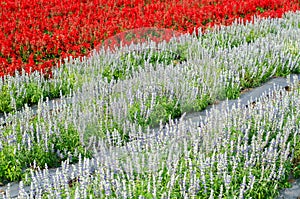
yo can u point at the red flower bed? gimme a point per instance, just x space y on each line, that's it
35 34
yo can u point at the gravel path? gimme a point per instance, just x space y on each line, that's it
250 95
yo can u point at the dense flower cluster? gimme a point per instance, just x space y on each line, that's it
114 129
35 34
118 101
244 153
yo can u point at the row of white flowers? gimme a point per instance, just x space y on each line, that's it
237 154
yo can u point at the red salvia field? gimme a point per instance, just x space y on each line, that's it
36 34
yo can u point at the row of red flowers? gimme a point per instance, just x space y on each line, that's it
35 34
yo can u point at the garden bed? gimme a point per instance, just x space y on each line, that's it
71 173
110 102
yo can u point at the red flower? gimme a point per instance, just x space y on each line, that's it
55 29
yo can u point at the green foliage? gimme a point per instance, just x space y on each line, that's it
260 9
231 91
33 93
14 160
10 166
5 102
68 144
296 160
164 109
113 74
130 62
202 102
135 115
